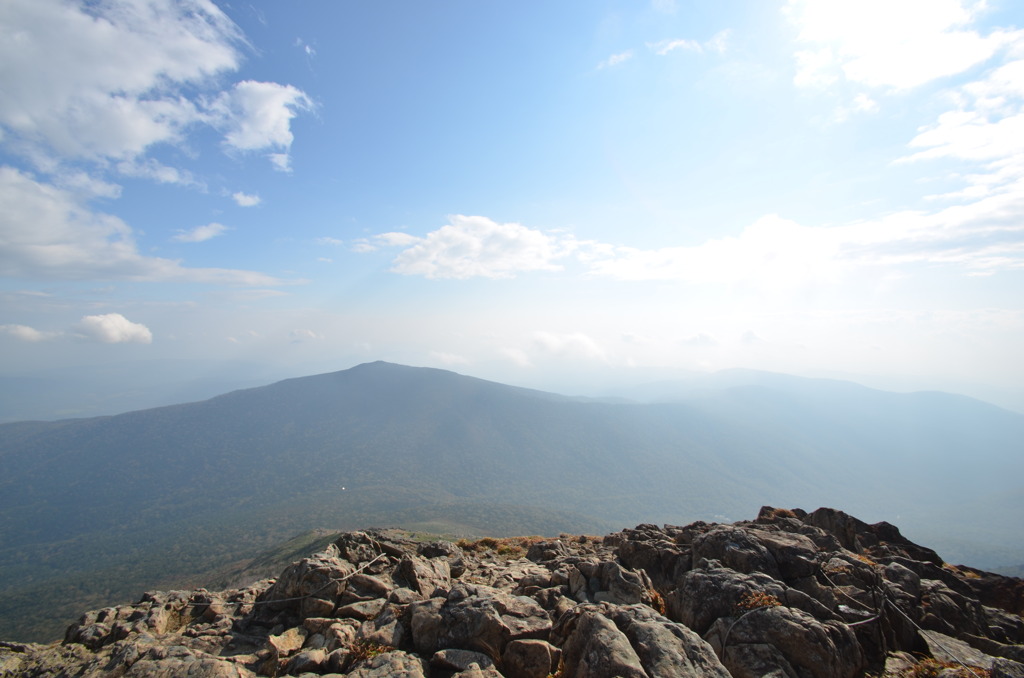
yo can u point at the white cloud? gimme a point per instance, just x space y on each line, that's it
112 328
474 246
896 45
26 333
100 80
772 250
773 253
776 253
616 59
326 240
48 233
245 199
108 81
986 130
200 233
257 116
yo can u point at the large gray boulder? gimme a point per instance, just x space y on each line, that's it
476 617
312 586
609 640
810 647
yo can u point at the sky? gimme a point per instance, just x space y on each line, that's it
548 194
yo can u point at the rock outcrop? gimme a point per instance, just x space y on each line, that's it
818 595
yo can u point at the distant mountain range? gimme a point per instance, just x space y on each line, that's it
95 510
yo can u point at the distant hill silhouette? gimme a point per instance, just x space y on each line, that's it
92 510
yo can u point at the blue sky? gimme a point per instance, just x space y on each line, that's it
531 192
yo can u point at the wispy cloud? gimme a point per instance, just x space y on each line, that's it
52 234
246 199
663 47
616 59
985 129
718 44
200 233
26 333
300 336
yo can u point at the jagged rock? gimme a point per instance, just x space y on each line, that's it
793 553
385 629
857 536
546 551
366 609
449 551
289 641
426 576
530 659
388 664
460 660
474 671
948 649
735 548
477 618
363 587
790 594
312 586
637 636
1004 668
187 668
820 649
704 595
653 551
596 648
307 661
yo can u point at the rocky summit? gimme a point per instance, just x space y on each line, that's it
790 594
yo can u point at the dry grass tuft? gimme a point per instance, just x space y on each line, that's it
753 600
